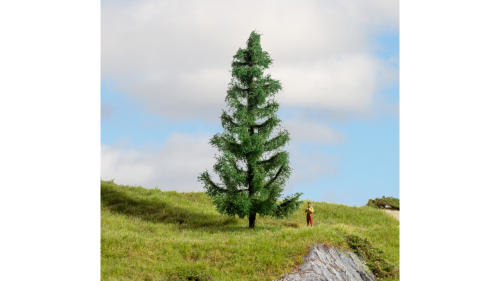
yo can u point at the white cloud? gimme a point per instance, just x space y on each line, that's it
346 83
182 157
301 131
174 166
309 163
175 55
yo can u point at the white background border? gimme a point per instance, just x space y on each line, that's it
50 144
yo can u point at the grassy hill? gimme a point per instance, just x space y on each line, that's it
149 234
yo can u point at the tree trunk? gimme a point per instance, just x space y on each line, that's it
251 218
251 221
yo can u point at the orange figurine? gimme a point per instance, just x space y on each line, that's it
309 216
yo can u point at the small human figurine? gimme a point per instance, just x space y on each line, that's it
309 216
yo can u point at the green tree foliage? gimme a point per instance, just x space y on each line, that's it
252 164
381 203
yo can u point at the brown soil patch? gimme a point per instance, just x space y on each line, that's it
394 213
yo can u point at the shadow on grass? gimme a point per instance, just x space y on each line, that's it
153 210
157 211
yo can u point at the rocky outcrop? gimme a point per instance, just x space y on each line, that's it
327 263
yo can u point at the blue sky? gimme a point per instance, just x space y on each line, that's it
345 146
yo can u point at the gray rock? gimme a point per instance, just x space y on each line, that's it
327 263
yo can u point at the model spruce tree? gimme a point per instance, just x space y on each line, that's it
252 164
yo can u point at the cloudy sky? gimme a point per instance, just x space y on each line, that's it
165 71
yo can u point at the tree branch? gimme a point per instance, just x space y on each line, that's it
227 120
277 141
271 181
264 124
211 187
237 168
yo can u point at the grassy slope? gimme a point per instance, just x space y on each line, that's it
148 234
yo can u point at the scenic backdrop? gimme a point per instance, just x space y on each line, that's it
165 69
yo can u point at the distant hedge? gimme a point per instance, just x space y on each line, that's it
381 203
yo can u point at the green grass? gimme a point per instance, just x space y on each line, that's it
149 234
379 265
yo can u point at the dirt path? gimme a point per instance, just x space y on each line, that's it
394 213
